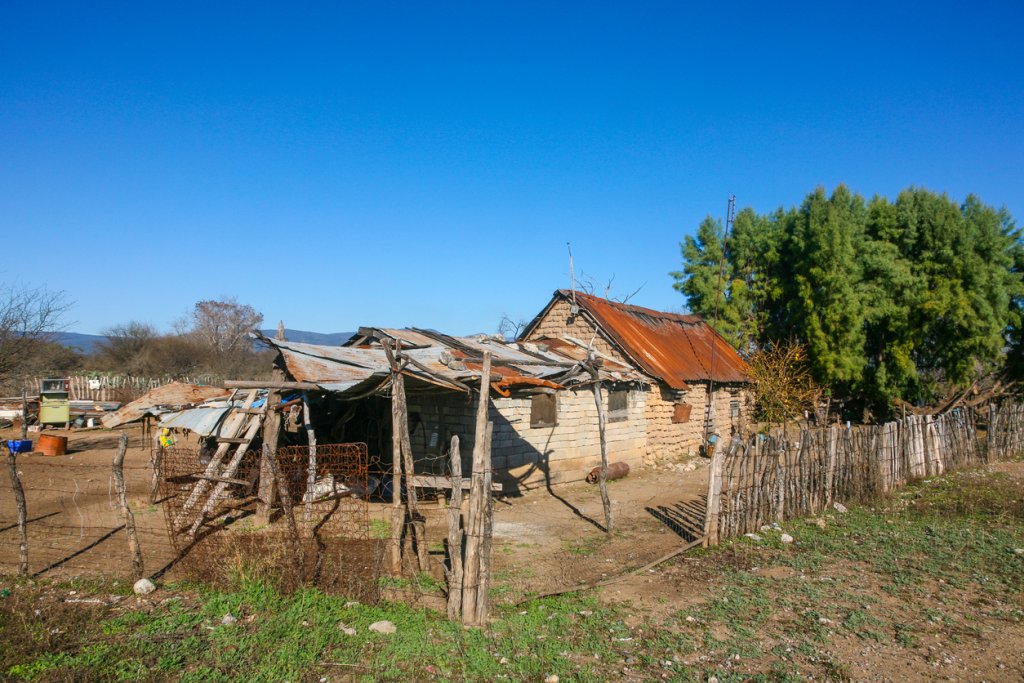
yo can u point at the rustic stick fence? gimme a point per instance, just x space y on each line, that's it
115 388
765 479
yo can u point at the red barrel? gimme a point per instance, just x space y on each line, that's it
53 445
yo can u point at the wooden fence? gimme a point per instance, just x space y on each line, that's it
115 388
768 479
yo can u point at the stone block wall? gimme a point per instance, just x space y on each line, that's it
525 456
668 440
556 324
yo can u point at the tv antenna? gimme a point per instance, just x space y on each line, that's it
730 217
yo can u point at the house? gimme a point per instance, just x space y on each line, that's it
543 410
695 380
655 374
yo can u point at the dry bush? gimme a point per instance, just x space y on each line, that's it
785 388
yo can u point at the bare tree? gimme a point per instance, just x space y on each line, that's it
224 325
28 319
126 346
510 328
588 285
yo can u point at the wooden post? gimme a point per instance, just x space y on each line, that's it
714 498
311 467
416 523
477 503
19 497
603 479
455 534
271 435
833 446
24 413
156 463
483 604
286 505
397 516
126 512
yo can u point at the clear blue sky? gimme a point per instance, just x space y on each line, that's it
425 164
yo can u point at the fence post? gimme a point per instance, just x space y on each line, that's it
126 512
714 499
479 506
156 462
19 497
455 534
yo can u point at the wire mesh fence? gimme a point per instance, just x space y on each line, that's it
319 535
73 521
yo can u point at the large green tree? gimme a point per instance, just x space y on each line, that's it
892 300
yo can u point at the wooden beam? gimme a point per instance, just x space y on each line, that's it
431 481
255 384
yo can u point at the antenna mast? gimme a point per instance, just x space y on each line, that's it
572 279
730 217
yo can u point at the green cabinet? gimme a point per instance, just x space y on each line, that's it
54 402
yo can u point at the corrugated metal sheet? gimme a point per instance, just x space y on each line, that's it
174 394
440 360
672 347
204 420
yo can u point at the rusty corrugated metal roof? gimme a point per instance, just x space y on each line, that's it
439 359
175 394
672 347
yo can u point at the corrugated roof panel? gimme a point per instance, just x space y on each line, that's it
673 347
356 369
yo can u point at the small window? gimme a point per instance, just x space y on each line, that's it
734 408
618 406
543 411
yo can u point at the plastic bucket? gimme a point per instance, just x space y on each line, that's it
19 446
53 445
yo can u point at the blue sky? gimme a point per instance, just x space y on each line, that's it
424 164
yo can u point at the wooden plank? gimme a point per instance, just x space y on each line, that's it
232 425
256 384
254 426
433 481
223 480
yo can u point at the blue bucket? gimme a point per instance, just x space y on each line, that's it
19 446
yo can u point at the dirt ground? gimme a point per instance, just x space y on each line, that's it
544 540
75 527
547 540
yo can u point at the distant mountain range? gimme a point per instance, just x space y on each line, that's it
86 343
